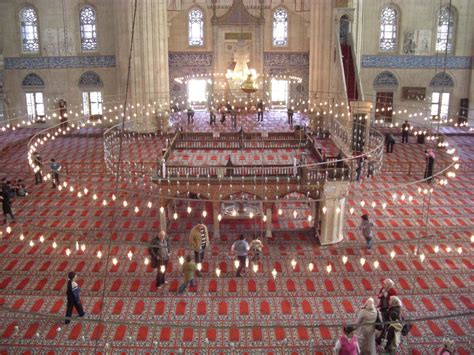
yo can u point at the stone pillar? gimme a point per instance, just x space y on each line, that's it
149 80
216 209
268 224
362 109
332 222
163 218
321 52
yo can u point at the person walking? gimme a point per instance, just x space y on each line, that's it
190 114
260 109
6 204
366 229
199 242
389 142
189 269
233 118
161 251
38 165
212 116
55 169
240 248
73 297
360 167
290 115
366 319
430 160
347 343
405 132
393 332
385 294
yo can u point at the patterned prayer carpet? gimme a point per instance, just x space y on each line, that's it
300 311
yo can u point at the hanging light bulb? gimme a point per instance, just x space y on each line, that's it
329 268
22 237
94 197
351 210
41 239
219 217
362 203
114 261
175 215
255 267
422 257
374 204
204 213
274 273
86 191
472 238
392 254
189 209
234 213
264 218
293 263
99 254
338 209
83 247
9 229
130 255
218 272
236 263
162 269
448 249
137 209
324 209
362 261
310 218
384 205
162 209
199 266
344 259
146 261
376 264
32 243
114 197
55 245
280 212
125 203
459 250
436 249
295 214
68 251
251 215
311 267
77 245
181 260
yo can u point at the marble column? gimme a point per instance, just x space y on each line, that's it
149 80
363 108
332 221
268 225
322 48
216 209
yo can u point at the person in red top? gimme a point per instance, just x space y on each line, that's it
347 343
384 295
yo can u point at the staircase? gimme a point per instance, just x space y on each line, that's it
349 72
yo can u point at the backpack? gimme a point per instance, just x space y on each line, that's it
406 328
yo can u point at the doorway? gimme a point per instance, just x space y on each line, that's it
197 91
279 90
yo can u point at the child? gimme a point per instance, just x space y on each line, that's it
189 268
366 229
347 343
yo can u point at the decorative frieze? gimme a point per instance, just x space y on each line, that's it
178 59
416 61
105 61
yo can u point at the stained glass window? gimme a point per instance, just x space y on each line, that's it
444 34
29 30
196 27
388 29
280 27
88 22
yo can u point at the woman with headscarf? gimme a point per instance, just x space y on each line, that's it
394 328
384 295
366 322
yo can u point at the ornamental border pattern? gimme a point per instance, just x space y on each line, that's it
182 59
61 62
415 61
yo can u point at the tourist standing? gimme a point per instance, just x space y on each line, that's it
38 165
290 115
389 142
199 242
55 169
190 114
260 109
212 116
73 297
393 332
405 131
189 269
385 294
241 249
161 250
256 246
366 319
6 204
430 160
366 229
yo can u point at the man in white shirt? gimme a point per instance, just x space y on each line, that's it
240 248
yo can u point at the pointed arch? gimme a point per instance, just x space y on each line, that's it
442 79
385 78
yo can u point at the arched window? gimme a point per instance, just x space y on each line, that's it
29 30
88 22
280 27
33 85
388 29
91 85
445 30
196 27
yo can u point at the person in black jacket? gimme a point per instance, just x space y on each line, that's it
73 297
38 163
6 203
160 253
